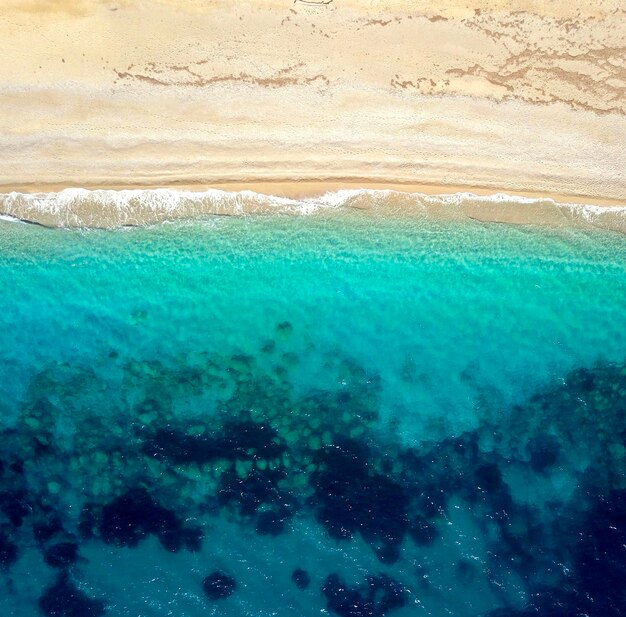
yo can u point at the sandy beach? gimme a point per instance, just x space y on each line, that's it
523 97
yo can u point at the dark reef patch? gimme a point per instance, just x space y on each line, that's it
218 586
594 586
270 523
192 538
374 598
284 328
64 599
301 578
423 532
8 551
251 440
15 505
87 521
489 491
245 440
49 526
388 553
131 517
17 467
267 457
351 496
543 451
600 556
580 418
251 491
177 447
61 555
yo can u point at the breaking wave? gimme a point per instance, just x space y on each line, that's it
102 208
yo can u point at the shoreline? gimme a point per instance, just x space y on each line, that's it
310 189
111 209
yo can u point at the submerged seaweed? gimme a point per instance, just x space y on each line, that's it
377 596
61 555
301 578
131 517
64 599
350 496
274 457
218 586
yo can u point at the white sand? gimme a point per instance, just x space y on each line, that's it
523 96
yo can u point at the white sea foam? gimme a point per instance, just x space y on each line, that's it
78 207
11 219
593 212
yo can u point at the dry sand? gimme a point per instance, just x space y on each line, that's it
523 96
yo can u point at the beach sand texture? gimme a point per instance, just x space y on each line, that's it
519 96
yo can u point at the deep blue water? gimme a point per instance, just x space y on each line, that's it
339 414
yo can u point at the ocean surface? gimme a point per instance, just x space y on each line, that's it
347 414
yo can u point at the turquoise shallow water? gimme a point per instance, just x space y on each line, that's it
425 416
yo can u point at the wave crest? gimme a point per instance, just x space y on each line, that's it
106 208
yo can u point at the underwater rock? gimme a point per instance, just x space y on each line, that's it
594 587
388 553
543 451
41 448
218 586
375 598
17 467
548 602
252 491
522 539
350 496
344 601
300 578
489 489
270 523
422 532
8 551
178 447
247 439
584 378
238 440
437 473
488 478
269 347
172 539
192 538
64 599
15 505
585 413
61 555
601 556
87 522
431 501
285 328
240 363
132 516
47 528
